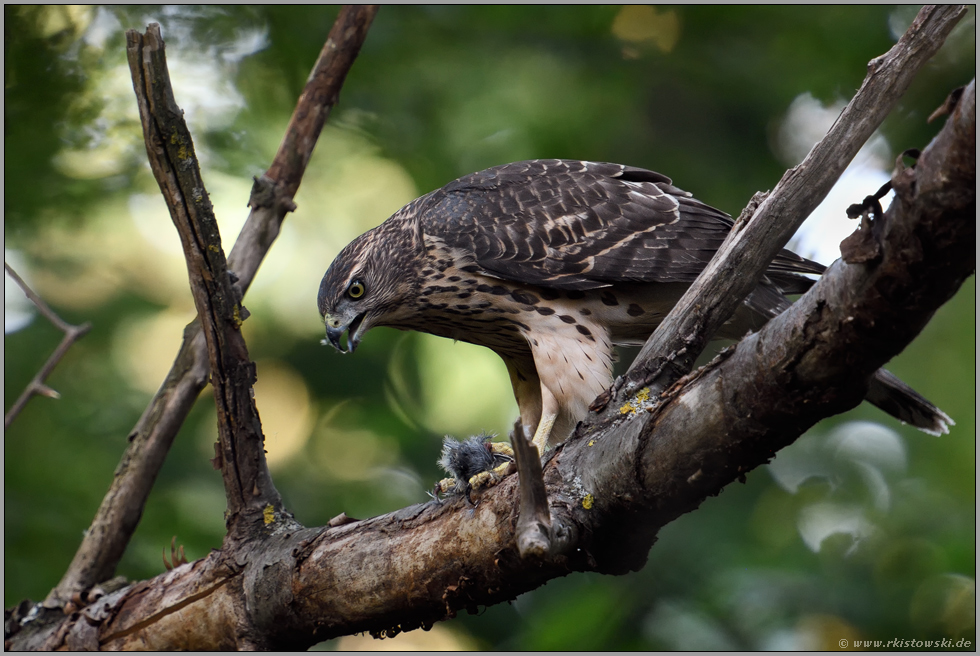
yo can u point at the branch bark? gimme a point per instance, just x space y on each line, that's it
610 488
151 438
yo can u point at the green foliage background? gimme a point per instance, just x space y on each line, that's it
698 93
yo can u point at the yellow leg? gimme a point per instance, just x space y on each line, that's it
541 435
549 413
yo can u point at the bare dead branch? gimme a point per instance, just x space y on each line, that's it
273 193
739 264
72 334
320 95
248 485
119 513
150 440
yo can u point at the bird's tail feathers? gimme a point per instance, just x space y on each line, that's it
889 393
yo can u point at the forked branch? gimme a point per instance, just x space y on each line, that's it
37 386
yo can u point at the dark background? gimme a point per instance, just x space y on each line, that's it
858 531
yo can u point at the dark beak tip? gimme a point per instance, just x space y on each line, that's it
333 336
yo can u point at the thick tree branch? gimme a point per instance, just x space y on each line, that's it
150 440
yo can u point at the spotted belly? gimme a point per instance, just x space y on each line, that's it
503 315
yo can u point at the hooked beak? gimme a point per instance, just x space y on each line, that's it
335 329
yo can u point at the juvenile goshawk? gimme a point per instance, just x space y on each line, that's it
550 263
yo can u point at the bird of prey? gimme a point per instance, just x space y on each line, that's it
550 263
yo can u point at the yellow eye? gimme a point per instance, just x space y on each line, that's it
356 289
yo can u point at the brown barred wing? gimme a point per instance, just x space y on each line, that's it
579 225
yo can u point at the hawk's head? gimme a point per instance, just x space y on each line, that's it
371 282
